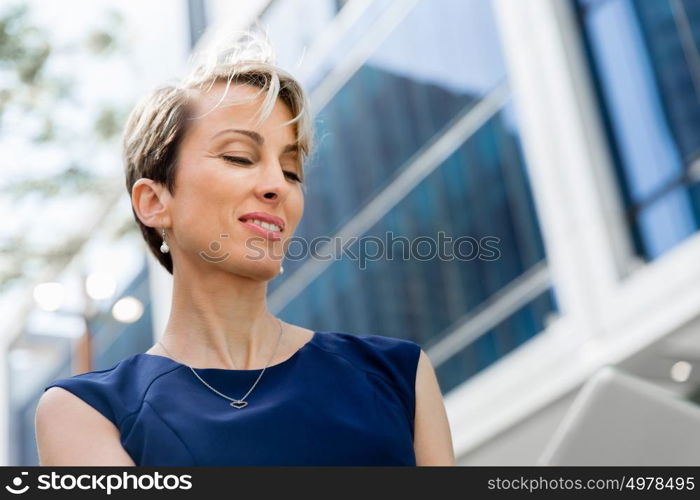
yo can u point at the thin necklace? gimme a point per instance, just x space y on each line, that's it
236 403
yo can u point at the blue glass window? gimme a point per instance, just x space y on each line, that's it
433 69
644 56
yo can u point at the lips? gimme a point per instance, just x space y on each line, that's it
264 217
261 231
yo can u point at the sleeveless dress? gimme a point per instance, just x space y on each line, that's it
340 400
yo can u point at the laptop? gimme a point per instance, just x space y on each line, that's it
618 419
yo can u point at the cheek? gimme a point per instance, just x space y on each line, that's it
202 210
298 207
295 201
208 190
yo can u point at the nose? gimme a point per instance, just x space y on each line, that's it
272 184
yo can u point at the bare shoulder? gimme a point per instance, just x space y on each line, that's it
71 432
432 435
298 334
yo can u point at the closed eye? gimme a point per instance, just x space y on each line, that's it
245 161
292 175
237 159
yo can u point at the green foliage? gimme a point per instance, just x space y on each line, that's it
109 122
71 181
30 97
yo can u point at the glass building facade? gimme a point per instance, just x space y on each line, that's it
375 177
421 177
645 60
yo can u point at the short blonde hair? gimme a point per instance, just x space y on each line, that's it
156 126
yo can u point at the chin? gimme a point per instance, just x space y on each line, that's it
261 273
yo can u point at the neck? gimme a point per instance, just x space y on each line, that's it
220 320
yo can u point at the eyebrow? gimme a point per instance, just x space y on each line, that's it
259 140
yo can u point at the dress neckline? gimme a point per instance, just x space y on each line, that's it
231 370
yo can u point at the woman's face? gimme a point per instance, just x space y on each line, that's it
227 168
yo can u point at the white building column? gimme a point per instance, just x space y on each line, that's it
576 195
611 304
580 215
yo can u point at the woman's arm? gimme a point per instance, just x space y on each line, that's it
71 432
432 439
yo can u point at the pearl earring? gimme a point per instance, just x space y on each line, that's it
281 269
164 248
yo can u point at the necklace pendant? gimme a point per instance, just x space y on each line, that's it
239 404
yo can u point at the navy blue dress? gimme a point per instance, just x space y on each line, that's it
341 400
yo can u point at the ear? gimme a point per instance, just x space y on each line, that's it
150 201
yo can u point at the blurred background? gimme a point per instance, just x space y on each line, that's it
567 129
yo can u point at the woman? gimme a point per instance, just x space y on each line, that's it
214 167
